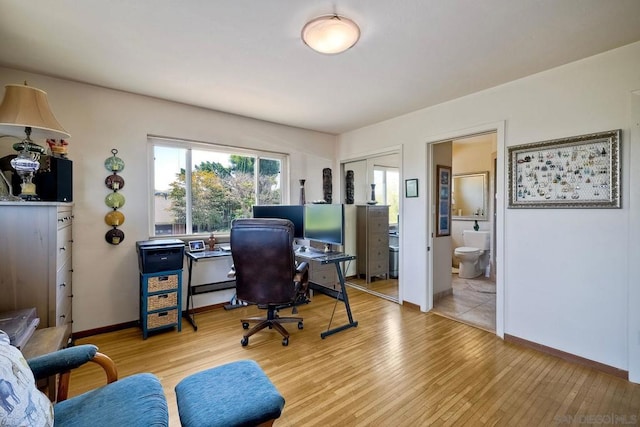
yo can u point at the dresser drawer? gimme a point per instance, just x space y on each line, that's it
63 285
379 266
63 245
323 274
378 241
64 218
162 283
378 227
160 301
162 318
378 213
378 254
64 317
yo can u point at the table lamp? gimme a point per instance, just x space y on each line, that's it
25 110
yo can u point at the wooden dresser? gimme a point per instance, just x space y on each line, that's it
373 241
36 259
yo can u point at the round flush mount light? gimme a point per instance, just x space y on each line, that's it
330 34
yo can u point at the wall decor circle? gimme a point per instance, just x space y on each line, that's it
114 218
114 236
114 182
115 200
114 163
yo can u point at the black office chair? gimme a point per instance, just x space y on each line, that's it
266 272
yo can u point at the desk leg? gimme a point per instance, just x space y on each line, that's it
352 323
191 317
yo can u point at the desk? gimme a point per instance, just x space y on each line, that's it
47 340
197 257
334 258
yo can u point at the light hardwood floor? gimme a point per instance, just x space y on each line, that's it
399 367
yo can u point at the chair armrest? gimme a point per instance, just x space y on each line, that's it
62 360
302 268
301 283
108 365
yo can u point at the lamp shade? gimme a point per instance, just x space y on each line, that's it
24 106
330 34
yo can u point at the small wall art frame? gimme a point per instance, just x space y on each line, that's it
411 187
577 172
443 219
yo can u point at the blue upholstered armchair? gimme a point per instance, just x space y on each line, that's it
137 400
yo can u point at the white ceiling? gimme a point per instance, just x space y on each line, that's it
246 56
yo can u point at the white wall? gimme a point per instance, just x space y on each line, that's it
105 278
566 271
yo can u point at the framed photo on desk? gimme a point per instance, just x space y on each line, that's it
196 245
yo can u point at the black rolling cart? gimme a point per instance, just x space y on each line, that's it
160 263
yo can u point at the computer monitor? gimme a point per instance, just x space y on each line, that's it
324 223
294 213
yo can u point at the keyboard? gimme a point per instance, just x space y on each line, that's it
330 257
322 256
207 254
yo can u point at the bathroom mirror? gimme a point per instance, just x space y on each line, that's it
469 196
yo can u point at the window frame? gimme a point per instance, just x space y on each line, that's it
385 170
190 145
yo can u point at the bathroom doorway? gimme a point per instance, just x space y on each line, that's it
468 296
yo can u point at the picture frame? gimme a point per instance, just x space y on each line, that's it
576 172
443 217
196 246
411 187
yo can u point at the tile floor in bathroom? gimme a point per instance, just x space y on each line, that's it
473 302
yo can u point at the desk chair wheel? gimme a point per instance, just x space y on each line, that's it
300 325
244 341
245 325
285 341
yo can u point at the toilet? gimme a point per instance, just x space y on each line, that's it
474 255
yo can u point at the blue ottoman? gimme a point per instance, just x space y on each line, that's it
235 394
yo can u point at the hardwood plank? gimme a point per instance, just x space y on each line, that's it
399 367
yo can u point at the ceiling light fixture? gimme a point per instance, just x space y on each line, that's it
330 34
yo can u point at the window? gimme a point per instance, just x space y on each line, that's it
387 180
201 188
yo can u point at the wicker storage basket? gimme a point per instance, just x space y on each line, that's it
163 318
163 283
156 302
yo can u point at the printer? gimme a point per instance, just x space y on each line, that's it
160 255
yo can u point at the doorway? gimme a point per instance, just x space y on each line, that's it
468 292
